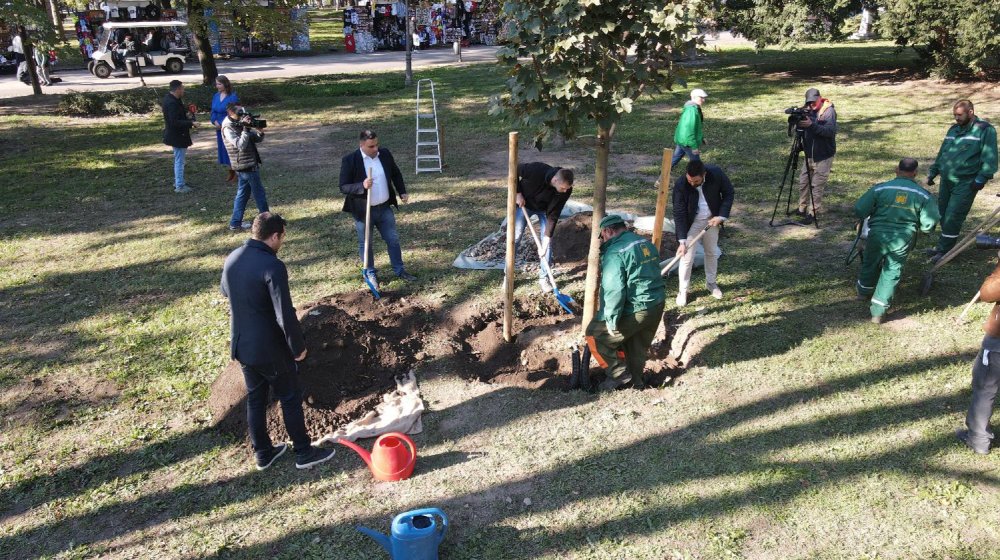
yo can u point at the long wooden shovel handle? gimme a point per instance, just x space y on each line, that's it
961 318
368 219
690 245
538 243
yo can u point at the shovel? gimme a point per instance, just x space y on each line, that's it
563 299
368 234
666 269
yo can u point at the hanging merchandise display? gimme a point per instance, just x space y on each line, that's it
228 39
434 24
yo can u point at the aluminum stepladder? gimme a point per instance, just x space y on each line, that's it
428 152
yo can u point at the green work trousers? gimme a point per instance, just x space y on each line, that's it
954 201
881 267
635 335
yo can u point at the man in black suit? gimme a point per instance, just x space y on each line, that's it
177 132
385 183
267 341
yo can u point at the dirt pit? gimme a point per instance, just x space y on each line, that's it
356 347
540 356
571 241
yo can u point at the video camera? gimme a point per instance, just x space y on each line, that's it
796 114
255 120
987 242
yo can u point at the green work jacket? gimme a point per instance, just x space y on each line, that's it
630 277
968 153
897 209
688 132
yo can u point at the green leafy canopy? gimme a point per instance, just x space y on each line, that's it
572 60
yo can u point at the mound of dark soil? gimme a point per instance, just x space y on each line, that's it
571 241
540 356
356 347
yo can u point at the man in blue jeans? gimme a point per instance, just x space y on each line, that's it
386 180
543 191
267 341
241 140
177 133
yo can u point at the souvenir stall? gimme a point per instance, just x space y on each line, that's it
226 41
383 26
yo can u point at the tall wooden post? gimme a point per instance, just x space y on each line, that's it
661 198
508 284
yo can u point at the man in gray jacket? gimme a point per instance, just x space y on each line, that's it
241 141
820 142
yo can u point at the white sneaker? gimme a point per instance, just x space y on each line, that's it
716 292
682 299
545 285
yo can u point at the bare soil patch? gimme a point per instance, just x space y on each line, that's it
357 347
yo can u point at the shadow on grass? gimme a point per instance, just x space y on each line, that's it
685 454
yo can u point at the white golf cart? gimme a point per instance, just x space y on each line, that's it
156 43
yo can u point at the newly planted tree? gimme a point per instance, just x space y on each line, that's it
584 63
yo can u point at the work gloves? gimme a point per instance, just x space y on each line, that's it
977 186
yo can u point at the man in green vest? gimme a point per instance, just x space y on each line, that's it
895 210
688 136
966 161
632 297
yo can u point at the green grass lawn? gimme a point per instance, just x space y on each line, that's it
326 29
800 430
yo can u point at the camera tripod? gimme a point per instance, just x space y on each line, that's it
791 166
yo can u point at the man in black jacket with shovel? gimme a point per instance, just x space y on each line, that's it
386 181
267 340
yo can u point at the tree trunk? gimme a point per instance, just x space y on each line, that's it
409 47
591 297
202 45
53 9
29 58
205 57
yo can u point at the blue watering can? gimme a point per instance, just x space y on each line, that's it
415 535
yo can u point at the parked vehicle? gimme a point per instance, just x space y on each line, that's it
132 47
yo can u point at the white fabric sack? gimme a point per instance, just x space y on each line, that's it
399 411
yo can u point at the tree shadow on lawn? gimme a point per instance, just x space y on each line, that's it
685 454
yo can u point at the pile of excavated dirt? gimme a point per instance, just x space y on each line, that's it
540 356
571 241
356 348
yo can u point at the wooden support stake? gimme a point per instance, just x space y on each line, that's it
508 284
661 198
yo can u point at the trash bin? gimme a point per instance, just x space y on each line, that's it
131 67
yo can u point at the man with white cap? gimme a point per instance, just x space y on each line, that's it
819 139
688 136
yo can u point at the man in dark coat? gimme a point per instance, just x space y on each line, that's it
177 133
385 183
267 340
542 190
702 197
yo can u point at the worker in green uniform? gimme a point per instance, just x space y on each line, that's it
966 161
688 136
895 210
632 297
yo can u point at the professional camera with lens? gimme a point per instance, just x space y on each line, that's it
796 114
255 120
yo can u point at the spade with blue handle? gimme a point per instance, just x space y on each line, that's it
368 232
563 299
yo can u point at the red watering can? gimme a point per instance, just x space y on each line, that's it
389 460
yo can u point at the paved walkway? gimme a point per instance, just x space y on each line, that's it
246 69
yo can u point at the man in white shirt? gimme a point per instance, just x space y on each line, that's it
385 182
702 198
